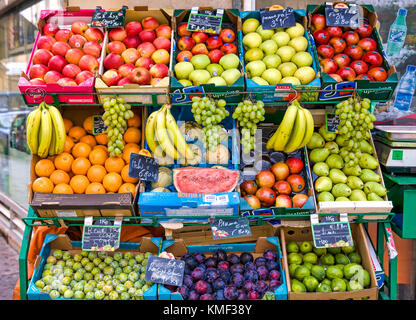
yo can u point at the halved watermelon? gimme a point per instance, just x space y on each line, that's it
204 180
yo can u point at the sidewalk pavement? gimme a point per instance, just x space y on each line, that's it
9 269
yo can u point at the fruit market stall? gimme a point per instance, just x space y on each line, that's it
180 135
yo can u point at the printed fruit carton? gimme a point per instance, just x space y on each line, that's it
178 248
183 95
300 234
47 205
283 91
62 242
332 90
128 91
83 93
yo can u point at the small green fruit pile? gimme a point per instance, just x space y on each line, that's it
314 269
92 275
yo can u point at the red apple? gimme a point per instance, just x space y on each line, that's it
253 201
162 43
248 187
146 49
130 55
57 63
133 28
63 35
186 43
50 29
144 62
378 73
367 44
42 56
326 51
37 82
46 42
83 76
159 70
124 70
295 165
318 21
117 34
373 58
187 55
338 44
113 61
52 76
161 56
163 31
117 47
111 77
334 32
354 52
359 66
140 76
280 170
328 65
77 41
351 37
147 35
365 30
282 187
88 63
155 81
150 23
321 36
66 82
267 196
199 48
228 48
94 34
364 76
346 73
336 77
92 48
182 31
71 71
123 81
214 43
38 71
215 55
296 181
283 201
132 42
74 55
342 60
79 27
227 35
60 48
200 37
299 200
265 178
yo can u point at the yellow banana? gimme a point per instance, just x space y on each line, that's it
32 129
285 127
270 143
177 137
150 131
163 136
59 129
310 125
298 132
45 134
52 145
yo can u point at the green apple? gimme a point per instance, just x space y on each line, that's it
286 53
260 81
199 77
287 69
252 40
183 70
229 61
200 61
296 31
269 47
299 43
250 25
281 38
256 68
265 34
254 54
291 80
272 76
215 69
218 81
305 74
302 59
185 82
272 61
231 75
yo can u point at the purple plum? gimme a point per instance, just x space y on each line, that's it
218 284
185 256
246 257
272 265
262 272
233 258
253 295
261 286
203 267
202 287
220 255
200 257
219 295
270 254
183 291
236 268
193 295
187 269
211 274
187 281
230 293
274 275
249 286
206 296
197 274
274 284
191 262
223 265
251 275
260 261
225 275
250 266
211 262
237 280
241 295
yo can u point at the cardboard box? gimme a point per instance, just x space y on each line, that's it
282 91
298 235
378 269
62 242
178 248
332 90
48 205
181 94
129 91
80 94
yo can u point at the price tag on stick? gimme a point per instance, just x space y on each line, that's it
230 228
342 17
332 122
165 271
331 234
108 19
98 126
277 18
143 167
101 235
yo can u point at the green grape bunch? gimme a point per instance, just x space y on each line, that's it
209 113
116 114
249 114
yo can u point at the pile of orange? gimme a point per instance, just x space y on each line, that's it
85 165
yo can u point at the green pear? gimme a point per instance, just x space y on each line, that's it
342 142
366 147
343 152
316 141
332 146
323 184
325 196
328 136
342 199
352 171
358 195
367 161
375 187
265 34
337 176
355 183
321 169
369 175
341 190
335 161
319 155
374 197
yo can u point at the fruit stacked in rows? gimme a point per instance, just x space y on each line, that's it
91 275
85 165
230 276
275 56
206 58
67 57
138 53
314 269
273 188
347 54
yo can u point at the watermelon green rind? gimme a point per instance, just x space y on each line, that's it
204 180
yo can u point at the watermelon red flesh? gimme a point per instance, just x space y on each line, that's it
204 180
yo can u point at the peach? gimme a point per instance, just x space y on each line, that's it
162 43
116 47
92 48
42 56
63 35
161 56
117 34
132 41
77 41
60 48
163 31
186 43
83 76
159 70
46 42
123 81
74 55
182 31
133 28
146 49
57 63
184 56
147 35
52 76
125 69
150 23
71 70
38 71
140 76
79 27
113 61
37 82
50 29
66 82
94 34
111 77
144 62
88 63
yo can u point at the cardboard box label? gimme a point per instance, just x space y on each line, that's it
199 212
66 213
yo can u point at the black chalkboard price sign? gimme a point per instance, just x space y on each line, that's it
204 21
108 19
101 237
98 126
332 122
164 271
230 228
143 167
277 18
332 234
342 17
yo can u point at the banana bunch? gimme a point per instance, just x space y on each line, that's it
45 131
295 130
162 132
